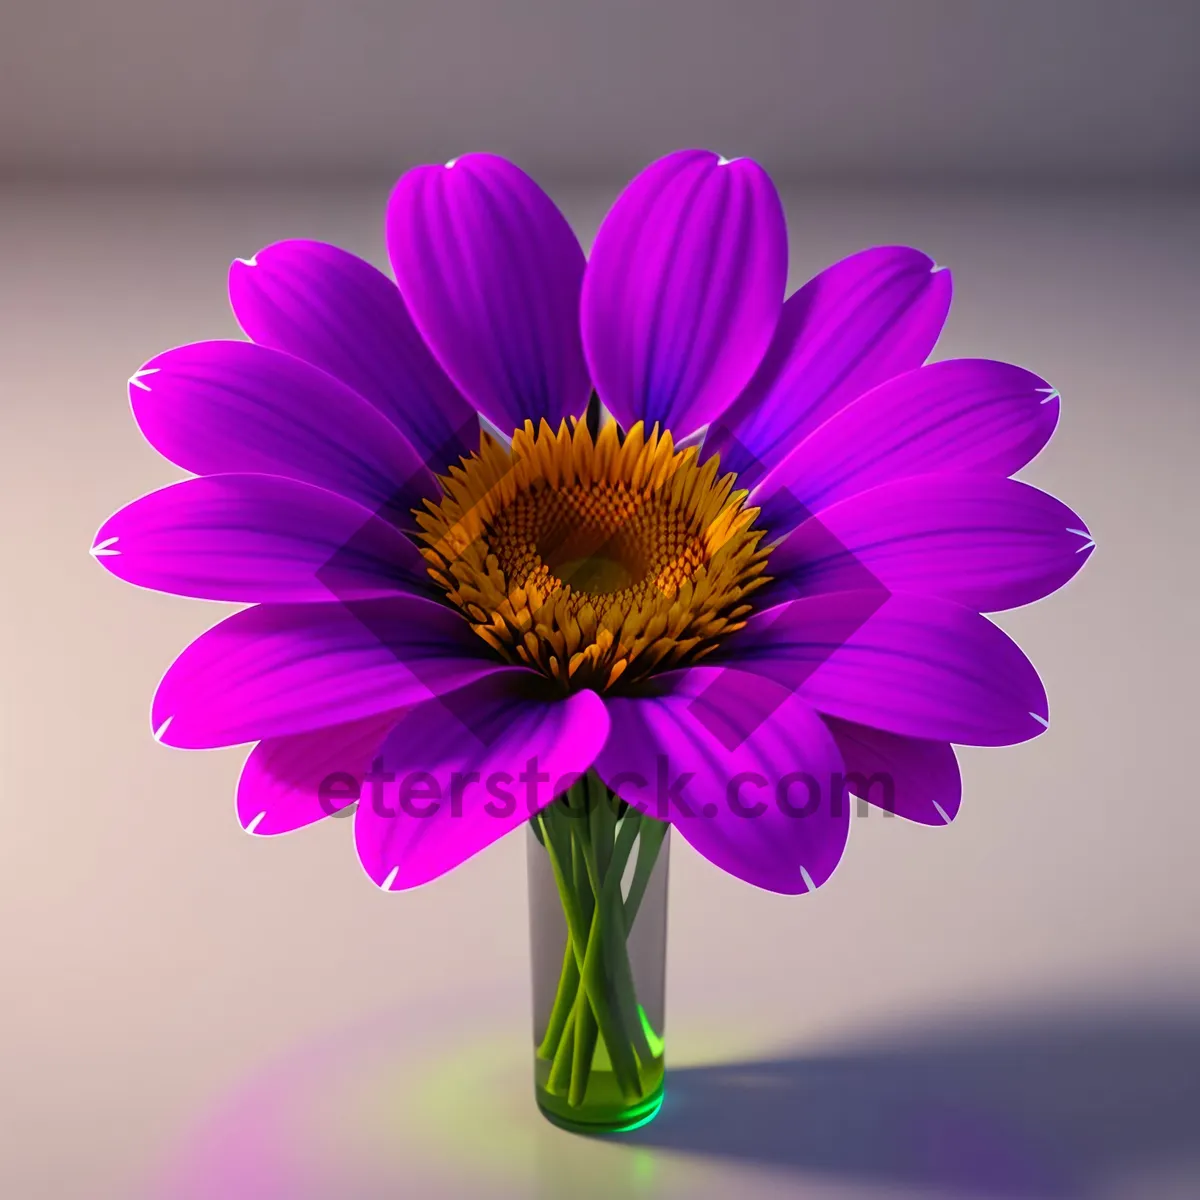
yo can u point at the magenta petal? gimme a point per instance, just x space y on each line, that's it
913 778
859 322
491 272
743 768
279 669
257 538
290 782
217 408
983 542
339 313
684 289
914 665
974 415
456 775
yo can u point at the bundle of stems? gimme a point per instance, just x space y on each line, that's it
590 836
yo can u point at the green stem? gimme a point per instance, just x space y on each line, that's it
564 1001
620 921
589 846
621 974
602 820
559 1080
590 963
586 1031
653 833
550 836
568 979
604 951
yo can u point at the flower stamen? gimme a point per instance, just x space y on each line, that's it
594 559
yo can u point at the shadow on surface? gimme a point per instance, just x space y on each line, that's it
1046 1108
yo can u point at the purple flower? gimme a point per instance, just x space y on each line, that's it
753 585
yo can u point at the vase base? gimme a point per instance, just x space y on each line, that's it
580 1120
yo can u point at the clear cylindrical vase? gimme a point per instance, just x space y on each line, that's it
598 926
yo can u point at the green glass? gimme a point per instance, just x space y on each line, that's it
598 924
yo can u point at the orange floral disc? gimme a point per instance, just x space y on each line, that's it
594 560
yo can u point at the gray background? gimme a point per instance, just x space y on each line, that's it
1008 1007
1033 90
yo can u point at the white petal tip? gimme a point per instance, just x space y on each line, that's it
161 731
936 268
449 163
104 549
135 380
808 880
1044 722
1048 394
386 885
1089 543
722 161
941 812
252 261
256 822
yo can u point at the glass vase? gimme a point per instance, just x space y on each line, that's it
598 927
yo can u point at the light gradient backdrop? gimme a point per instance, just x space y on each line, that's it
1007 1007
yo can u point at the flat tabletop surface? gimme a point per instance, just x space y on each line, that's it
1006 1007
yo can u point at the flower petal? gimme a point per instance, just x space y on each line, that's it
469 769
258 538
859 322
339 313
743 768
231 407
684 289
916 779
986 543
963 414
279 669
914 665
491 272
290 782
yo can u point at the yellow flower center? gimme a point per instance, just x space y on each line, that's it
594 560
